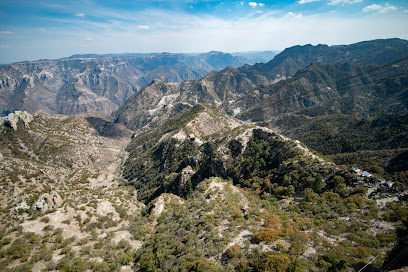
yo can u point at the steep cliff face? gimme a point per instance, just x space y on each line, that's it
76 85
311 80
217 88
66 86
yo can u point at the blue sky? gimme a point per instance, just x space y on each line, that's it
31 30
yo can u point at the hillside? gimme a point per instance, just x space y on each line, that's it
325 80
354 81
239 182
96 83
61 201
160 96
217 173
287 63
237 197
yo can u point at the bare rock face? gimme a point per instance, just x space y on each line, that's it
55 200
93 83
48 201
12 119
185 177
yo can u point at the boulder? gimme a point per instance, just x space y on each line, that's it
48 201
54 200
12 119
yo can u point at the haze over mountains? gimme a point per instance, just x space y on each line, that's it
195 169
319 78
337 100
86 83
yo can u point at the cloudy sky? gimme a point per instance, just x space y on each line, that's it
35 29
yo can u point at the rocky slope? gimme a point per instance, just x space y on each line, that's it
287 63
87 84
239 182
364 82
60 194
218 194
216 88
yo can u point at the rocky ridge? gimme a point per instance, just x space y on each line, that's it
88 84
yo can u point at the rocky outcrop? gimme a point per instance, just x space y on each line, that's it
185 177
48 201
164 200
12 119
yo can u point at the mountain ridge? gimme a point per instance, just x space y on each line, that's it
76 85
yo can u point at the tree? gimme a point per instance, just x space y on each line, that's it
276 263
318 184
336 181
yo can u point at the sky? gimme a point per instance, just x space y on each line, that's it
51 29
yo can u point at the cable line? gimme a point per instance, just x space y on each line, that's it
388 266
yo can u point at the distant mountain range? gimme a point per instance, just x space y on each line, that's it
335 99
86 83
319 80
211 173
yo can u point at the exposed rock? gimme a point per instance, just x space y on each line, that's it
17 191
39 189
48 201
184 177
55 200
12 119
159 205
22 206
284 203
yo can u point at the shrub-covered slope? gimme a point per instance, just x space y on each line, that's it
254 200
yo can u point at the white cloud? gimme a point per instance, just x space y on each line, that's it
6 32
373 7
4 46
387 8
307 1
271 30
259 11
292 15
82 15
89 39
337 2
405 11
379 8
255 4
143 27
